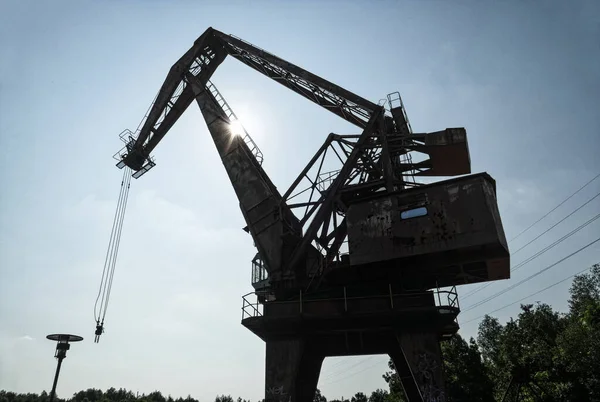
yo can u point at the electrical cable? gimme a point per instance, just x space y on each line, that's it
557 223
331 375
476 290
497 294
556 207
528 296
539 253
353 374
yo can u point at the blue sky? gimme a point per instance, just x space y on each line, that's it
523 78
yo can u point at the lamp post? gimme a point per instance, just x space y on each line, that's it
62 346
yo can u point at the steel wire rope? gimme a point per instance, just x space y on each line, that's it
539 253
108 252
528 296
111 254
117 243
112 245
497 294
114 241
543 233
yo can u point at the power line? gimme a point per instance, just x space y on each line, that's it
355 373
571 233
557 223
530 276
539 253
556 207
528 296
471 293
339 363
334 374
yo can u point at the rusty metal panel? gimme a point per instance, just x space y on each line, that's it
452 222
448 151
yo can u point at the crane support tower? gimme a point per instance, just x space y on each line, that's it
357 257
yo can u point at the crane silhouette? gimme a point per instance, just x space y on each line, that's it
356 257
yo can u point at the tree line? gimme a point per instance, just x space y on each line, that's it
548 355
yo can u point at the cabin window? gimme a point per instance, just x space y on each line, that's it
413 213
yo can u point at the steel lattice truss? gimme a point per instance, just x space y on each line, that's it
346 167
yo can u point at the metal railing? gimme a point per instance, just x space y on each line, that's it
129 138
259 271
256 152
395 98
397 301
249 308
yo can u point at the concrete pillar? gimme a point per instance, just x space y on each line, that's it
292 371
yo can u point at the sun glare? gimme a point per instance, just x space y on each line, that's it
236 128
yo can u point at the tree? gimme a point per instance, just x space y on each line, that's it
524 349
578 346
393 380
318 397
379 395
224 398
359 397
466 376
155 396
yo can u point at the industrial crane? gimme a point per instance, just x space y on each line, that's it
349 260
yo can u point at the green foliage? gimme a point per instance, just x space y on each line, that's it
579 343
359 397
466 377
318 397
379 395
559 353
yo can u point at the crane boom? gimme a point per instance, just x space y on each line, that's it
286 254
332 97
274 227
202 60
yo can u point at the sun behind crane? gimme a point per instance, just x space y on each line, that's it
237 128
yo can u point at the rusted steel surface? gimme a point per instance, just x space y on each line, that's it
453 223
448 153
394 313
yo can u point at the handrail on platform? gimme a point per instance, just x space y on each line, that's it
442 298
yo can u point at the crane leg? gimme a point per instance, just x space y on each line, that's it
292 371
418 361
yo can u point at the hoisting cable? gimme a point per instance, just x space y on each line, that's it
110 261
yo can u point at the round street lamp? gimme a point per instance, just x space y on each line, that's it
62 346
